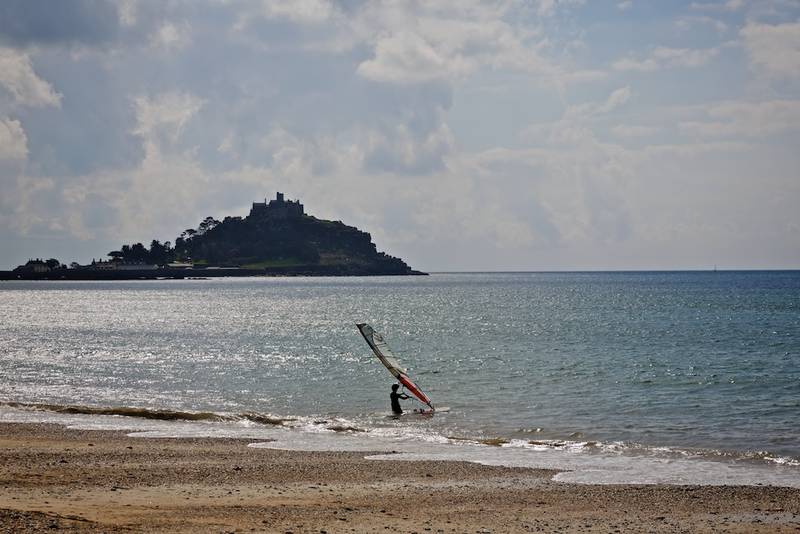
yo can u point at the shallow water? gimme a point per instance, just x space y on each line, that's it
671 366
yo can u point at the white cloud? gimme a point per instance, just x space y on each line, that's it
226 145
448 43
645 65
747 119
684 57
294 157
167 111
615 100
403 151
691 150
171 36
127 12
19 79
773 50
23 212
665 57
546 8
728 5
581 112
626 131
298 11
13 141
689 23
735 5
408 58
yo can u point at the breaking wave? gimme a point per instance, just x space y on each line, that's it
339 426
148 413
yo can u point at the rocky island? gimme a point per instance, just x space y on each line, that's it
276 238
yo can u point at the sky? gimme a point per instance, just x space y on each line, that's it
464 136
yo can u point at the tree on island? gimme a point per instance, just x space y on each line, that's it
163 253
158 253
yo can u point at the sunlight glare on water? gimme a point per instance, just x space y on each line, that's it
688 360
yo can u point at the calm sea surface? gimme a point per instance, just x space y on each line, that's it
589 366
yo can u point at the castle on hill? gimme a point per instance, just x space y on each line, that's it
277 208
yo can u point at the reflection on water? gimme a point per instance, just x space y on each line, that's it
683 360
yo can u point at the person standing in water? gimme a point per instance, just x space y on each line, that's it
395 397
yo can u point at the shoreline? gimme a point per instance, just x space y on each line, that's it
74 275
580 460
88 480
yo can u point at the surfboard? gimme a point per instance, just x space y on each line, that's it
419 412
423 411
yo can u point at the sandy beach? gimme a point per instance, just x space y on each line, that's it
69 480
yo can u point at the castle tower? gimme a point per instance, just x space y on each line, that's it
278 208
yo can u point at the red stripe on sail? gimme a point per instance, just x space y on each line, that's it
412 387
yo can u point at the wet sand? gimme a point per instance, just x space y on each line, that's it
56 479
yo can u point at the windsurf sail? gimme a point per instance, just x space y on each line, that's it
384 354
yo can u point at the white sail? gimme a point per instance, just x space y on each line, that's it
384 354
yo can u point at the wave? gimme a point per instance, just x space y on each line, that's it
639 449
629 448
149 413
573 443
345 428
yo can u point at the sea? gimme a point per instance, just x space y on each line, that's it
607 377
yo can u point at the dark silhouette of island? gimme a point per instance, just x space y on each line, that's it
276 238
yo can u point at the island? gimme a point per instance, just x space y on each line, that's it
277 238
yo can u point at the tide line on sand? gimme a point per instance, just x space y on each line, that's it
106 480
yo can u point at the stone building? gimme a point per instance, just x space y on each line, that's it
278 208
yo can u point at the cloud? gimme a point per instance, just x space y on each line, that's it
684 57
728 5
574 186
747 119
299 11
407 153
773 49
169 36
689 23
127 12
547 8
164 187
13 141
168 112
294 157
665 57
583 112
407 58
626 131
576 122
615 100
447 44
22 83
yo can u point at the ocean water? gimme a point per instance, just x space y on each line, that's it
673 377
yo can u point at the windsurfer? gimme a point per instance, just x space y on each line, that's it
395 398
